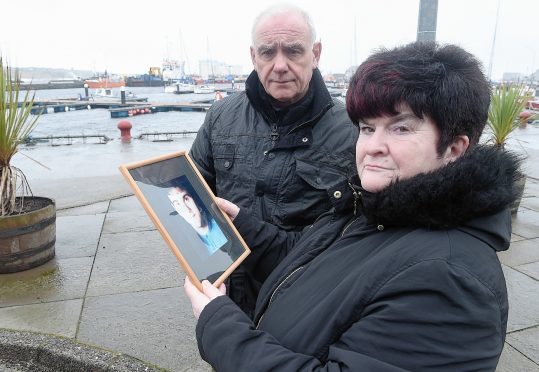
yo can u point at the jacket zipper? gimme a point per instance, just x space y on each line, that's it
347 226
275 291
274 133
329 105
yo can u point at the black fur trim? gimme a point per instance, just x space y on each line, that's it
480 183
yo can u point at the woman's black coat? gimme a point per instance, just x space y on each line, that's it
411 282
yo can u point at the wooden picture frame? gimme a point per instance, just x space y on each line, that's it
182 207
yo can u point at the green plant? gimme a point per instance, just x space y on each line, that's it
15 125
507 102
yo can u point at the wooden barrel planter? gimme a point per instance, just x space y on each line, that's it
27 240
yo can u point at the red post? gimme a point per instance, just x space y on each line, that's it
125 130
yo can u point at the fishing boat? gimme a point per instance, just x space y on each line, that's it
105 82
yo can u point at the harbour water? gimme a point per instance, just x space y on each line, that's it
72 169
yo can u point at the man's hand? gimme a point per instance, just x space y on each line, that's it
229 208
198 299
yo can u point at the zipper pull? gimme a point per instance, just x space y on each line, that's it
356 197
274 132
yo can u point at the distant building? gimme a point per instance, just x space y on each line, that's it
512 76
211 68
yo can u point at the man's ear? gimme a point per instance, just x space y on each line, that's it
253 56
317 50
456 149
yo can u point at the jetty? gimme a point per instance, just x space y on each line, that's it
116 108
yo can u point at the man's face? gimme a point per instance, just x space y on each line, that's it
284 57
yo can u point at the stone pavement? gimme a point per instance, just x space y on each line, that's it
115 284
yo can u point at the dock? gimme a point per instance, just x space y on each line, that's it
116 108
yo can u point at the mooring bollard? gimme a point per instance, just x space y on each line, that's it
125 130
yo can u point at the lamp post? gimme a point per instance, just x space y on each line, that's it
426 23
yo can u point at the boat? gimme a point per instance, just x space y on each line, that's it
106 94
202 89
145 80
180 88
104 82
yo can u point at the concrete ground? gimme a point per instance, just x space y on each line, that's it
115 284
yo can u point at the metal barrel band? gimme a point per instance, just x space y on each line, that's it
31 252
28 229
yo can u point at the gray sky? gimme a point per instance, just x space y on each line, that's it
130 36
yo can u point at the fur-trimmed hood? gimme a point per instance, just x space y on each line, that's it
479 184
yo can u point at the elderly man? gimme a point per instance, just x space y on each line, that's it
278 148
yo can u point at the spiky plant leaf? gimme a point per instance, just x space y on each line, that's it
507 102
15 125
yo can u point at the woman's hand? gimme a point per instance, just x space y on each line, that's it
229 208
198 299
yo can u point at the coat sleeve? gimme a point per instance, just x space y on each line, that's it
268 243
432 316
201 150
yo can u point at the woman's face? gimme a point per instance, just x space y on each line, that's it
184 204
396 147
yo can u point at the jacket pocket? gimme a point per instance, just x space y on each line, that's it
224 155
233 173
305 195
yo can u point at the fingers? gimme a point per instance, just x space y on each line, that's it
210 291
229 208
190 289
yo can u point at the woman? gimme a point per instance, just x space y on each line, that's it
403 274
188 205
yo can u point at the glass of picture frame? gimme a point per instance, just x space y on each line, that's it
183 209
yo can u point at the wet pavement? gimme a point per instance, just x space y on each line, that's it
115 284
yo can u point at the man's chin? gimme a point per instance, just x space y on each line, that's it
284 98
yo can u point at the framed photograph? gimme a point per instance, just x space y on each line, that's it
183 209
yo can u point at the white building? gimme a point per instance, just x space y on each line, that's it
216 68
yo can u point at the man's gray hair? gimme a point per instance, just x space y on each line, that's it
283 9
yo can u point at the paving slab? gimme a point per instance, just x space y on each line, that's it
520 252
60 317
523 300
126 204
525 223
531 188
136 220
525 341
530 203
78 236
156 326
516 238
76 191
90 209
512 360
134 261
58 279
531 269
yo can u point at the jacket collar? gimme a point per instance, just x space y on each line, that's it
462 194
